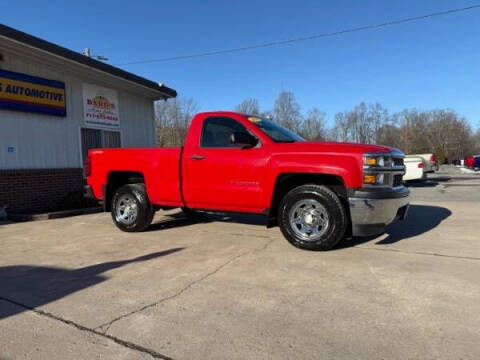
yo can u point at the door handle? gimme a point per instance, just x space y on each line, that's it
197 157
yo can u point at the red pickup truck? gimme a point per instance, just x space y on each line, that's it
317 192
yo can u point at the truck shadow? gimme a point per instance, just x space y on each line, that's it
420 220
4 223
421 183
444 180
176 220
428 182
249 219
34 286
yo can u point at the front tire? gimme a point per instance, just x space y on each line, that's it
131 209
312 217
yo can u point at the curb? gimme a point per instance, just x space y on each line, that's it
55 214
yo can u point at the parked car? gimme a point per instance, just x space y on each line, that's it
476 162
414 168
317 192
429 162
469 162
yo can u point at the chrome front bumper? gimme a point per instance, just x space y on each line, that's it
371 215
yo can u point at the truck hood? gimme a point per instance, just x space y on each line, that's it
332 147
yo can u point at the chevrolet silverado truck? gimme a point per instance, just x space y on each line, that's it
317 192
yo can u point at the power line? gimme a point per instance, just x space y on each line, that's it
306 38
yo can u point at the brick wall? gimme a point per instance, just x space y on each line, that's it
37 190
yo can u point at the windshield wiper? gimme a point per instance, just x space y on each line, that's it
286 141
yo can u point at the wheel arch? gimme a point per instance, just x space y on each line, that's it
288 181
115 180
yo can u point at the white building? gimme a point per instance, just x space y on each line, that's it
55 104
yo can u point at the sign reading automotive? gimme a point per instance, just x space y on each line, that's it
32 94
100 106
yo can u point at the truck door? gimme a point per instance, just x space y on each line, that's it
218 174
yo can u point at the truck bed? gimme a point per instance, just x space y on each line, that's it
160 168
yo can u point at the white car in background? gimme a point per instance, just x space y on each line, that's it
414 168
429 162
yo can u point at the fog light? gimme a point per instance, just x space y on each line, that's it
376 179
370 179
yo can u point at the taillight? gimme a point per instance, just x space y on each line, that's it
432 159
420 165
88 166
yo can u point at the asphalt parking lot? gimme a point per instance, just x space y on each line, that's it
227 288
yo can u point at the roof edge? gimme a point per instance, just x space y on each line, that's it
58 50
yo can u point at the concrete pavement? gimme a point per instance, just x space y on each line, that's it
226 288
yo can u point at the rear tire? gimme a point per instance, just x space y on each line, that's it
131 209
312 217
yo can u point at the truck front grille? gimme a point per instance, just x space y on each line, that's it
397 180
397 161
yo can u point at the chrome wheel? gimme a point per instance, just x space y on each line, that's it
126 210
309 219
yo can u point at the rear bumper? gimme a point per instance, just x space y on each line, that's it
372 211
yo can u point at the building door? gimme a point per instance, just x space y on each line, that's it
111 139
96 139
91 139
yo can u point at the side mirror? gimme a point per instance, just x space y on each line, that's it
243 139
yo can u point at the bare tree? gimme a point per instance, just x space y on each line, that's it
249 106
389 135
358 124
413 126
475 143
172 119
442 132
361 124
287 111
313 127
340 131
450 136
378 117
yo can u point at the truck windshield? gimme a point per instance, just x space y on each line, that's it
274 131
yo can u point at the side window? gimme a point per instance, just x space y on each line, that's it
217 132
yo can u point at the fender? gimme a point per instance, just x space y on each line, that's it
345 166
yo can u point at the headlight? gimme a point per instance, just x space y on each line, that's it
374 168
374 161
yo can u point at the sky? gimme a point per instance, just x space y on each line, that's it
427 64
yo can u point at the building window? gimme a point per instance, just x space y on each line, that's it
94 139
